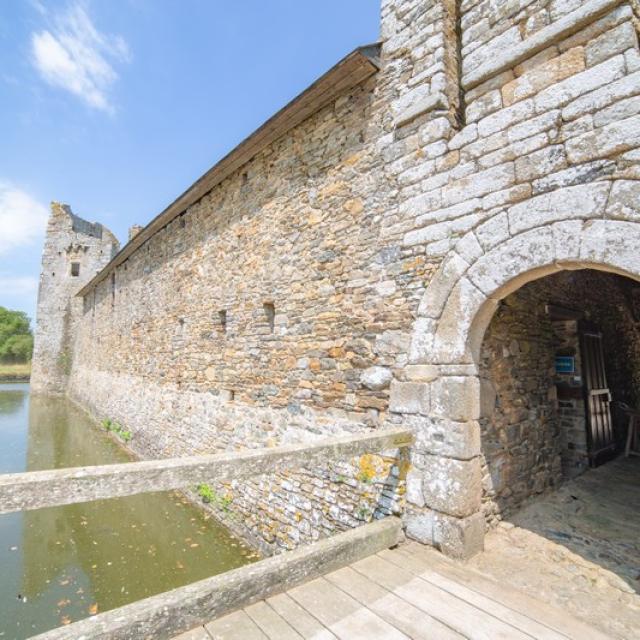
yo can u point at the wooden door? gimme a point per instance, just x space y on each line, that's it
600 438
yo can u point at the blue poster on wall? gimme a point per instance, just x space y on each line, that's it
565 364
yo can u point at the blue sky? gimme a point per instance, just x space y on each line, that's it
116 106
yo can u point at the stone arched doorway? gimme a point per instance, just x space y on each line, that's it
558 367
440 391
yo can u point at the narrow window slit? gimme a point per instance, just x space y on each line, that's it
270 314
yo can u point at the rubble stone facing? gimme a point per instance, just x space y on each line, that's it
384 230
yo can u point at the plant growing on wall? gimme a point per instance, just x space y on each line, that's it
205 492
124 434
210 496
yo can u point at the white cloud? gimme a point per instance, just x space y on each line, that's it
23 219
75 56
18 285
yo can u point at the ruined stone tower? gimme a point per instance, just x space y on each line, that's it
74 251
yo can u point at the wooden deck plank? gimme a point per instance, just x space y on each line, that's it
466 619
343 615
400 614
302 621
419 567
233 626
549 615
271 623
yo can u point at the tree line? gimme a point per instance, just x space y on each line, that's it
16 337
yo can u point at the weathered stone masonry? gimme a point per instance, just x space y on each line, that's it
343 277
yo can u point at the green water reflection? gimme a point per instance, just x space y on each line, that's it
62 564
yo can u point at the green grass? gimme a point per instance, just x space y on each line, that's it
11 372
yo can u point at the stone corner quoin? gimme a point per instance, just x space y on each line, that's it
342 278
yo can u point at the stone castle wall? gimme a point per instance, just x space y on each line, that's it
340 255
75 250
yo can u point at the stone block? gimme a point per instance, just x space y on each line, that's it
544 75
419 527
582 201
562 93
540 163
596 100
414 494
624 201
610 43
453 487
618 111
464 137
410 397
505 118
459 538
479 184
376 378
421 372
616 137
486 104
534 126
421 348
580 174
444 437
456 398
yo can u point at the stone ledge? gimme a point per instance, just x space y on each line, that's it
565 26
433 102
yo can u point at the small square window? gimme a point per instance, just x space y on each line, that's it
75 269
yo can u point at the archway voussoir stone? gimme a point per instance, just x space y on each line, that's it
421 348
624 201
583 201
622 251
450 271
594 241
523 253
450 343
566 239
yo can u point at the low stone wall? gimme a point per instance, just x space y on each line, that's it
272 512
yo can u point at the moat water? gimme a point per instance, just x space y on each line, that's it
62 564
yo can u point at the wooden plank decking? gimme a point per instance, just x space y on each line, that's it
409 592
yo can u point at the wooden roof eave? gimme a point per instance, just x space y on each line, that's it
351 71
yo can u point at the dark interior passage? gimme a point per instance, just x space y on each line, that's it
559 360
